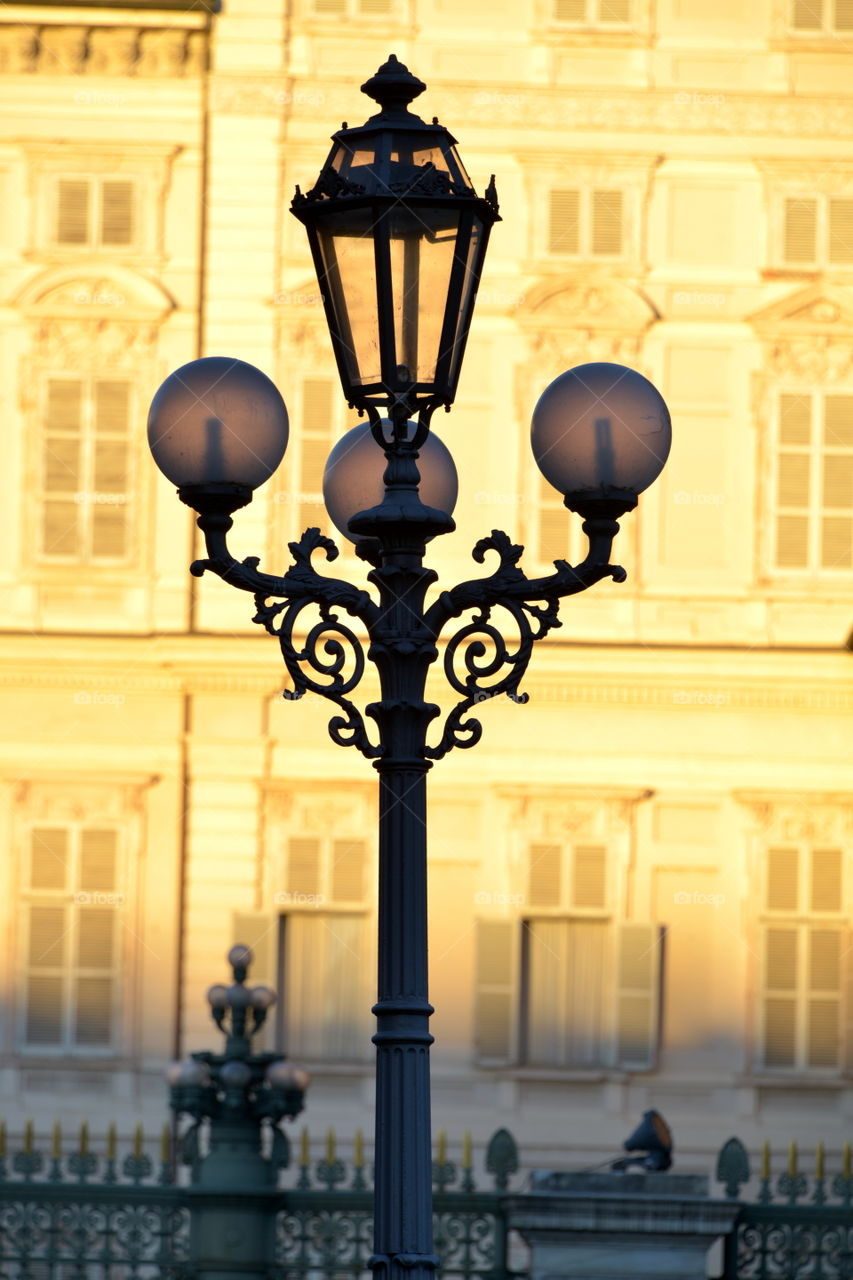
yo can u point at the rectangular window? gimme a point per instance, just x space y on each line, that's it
822 17
587 223
325 984
71 905
354 8
558 532
813 482
86 469
804 959
593 12
95 212
817 231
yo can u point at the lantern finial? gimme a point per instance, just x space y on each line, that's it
393 86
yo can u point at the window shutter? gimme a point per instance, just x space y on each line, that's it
330 6
72 225
800 231
781 976
348 863
317 418
782 879
369 7
564 222
838 480
826 865
794 471
554 529
96 938
111 469
795 419
48 858
495 990
570 10
44 1009
792 542
836 542
838 421
62 476
93 1021
808 15
47 937
98 859
638 975
303 865
841 231
844 15
614 11
847 963
589 875
607 223
117 213
824 998
544 875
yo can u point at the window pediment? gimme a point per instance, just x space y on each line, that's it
120 294
586 304
820 310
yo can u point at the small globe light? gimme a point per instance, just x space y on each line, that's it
239 997
217 996
235 1074
599 432
352 481
262 997
188 1072
218 421
281 1075
240 956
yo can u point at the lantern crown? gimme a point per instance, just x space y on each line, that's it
393 87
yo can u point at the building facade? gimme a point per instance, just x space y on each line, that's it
642 880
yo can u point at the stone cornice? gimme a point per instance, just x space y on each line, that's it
86 48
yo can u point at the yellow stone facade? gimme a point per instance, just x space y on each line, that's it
641 881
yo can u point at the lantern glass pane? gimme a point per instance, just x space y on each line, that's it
423 244
346 248
473 259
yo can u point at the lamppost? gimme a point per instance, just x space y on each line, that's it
398 236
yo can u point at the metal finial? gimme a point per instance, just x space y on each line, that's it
393 86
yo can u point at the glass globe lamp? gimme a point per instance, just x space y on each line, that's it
217 427
601 434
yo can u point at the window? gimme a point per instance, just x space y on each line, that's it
71 914
95 213
593 12
323 416
353 8
817 231
558 534
826 17
813 482
586 223
805 952
567 986
85 469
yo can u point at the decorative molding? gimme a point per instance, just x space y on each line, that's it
59 49
813 817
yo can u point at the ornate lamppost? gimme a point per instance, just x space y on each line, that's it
398 236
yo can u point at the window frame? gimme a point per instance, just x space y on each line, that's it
592 19
94 241
587 191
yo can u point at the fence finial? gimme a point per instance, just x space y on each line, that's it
502 1157
111 1142
56 1141
330 1146
84 1138
466 1150
165 1144
792 1159
303 1149
358 1150
733 1167
137 1141
28 1138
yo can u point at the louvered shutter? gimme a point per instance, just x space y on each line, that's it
544 875
373 7
45 991
330 6
807 15
94 982
72 223
838 421
836 542
800 231
607 224
48 858
326 1004
638 980
570 10
112 482
847 963
840 231
843 15
347 870
62 475
589 875
793 496
781 979
783 879
564 222
795 419
117 212
823 1011
303 867
93 1017
614 11
495 990
826 888
45 1006
553 526
98 853
317 418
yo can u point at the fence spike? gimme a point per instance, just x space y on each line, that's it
765 1160
303 1149
137 1141
165 1145
111 1142
56 1142
358 1150
84 1138
792 1159
818 1160
467 1161
441 1156
845 1160
330 1146
28 1138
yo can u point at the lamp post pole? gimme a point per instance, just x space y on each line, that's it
398 236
